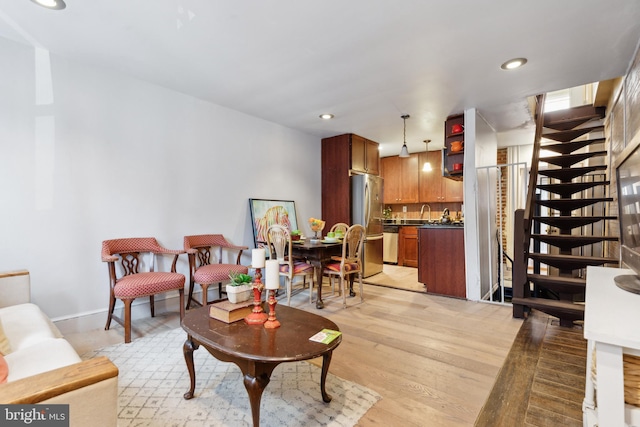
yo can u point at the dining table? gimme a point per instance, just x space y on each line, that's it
318 254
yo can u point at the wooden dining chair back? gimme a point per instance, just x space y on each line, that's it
350 263
279 247
209 256
129 281
340 226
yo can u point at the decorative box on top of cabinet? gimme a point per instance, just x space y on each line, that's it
342 156
453 152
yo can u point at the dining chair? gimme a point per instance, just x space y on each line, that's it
207 255
129 281
350 263
279 244
340 226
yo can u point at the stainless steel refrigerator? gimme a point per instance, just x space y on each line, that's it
366 209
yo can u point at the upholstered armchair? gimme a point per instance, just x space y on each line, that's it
132 282
349 264
206 254
279 244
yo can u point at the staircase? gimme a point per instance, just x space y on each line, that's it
563 228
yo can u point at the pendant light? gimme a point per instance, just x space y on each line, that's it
427 166
404 152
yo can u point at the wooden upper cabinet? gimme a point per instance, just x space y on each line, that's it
432 186
400 179
365 155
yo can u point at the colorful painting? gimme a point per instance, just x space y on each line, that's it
265 213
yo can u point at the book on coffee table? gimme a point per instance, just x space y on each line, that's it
325 336
229 312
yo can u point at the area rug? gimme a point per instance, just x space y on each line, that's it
153 379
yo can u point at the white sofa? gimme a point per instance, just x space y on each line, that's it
44 368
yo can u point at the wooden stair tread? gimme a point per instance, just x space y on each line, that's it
570 118
559 284
571 262
566 189
566 160
572 204
571 134
571 221
568 241
565 309
569 173
542 278
570 147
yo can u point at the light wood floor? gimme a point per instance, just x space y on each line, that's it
433 359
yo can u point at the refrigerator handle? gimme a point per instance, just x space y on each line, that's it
367 205
369 239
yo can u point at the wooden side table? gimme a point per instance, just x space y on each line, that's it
611 321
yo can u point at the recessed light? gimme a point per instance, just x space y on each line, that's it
512 64
51 4
326 116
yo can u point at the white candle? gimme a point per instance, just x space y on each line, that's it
272 274
257 258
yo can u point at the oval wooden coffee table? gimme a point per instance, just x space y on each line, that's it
256 350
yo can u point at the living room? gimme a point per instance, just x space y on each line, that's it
93 153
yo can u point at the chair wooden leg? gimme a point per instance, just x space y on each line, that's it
289 280
181 294
344 292
112 304
152 305
205 293
127 320
361 288
191 285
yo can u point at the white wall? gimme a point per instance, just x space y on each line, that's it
480 150
89 155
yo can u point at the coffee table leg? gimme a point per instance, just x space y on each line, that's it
256 378
188 348
326 360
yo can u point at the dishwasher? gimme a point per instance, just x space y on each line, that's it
390 244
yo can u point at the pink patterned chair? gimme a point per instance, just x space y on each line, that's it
350 263
205 267
279 242
133 283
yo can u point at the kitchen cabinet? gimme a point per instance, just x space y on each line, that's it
400 179
432 186
453 147
365 155
341 156
408 246
441 266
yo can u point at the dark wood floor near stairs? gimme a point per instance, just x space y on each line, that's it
542 381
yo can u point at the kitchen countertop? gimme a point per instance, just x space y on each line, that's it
423 223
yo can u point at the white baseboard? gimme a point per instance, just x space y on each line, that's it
85 322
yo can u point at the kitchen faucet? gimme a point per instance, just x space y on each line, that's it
422 211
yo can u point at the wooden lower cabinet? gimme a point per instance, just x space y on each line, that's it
408 246
441 260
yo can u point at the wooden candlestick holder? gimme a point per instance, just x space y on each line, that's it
257 316
272 322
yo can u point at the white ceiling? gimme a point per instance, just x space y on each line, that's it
366 61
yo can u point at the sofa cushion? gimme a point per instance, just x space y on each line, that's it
45 355
25 325
5 346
